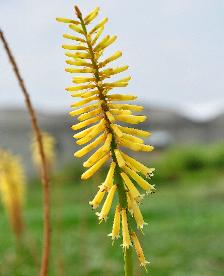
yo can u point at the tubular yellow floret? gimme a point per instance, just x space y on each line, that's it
89 114
120 112
98 34
82 79
74 47
141 181
125 231
120 160
115 234
115 56
131 119
107 41
78 70
132 138
116 130
138 215
72 37
131 188
91 16
67 21
97 199
83 110
85 123
110 117
98 26
134 131
90 146
76 28
107 204
134 146
80 55
91 171
80 87
139 251
131 107
113 71
85 101
109 179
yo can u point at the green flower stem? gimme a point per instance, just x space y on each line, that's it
128 267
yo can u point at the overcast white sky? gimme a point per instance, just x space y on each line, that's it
175 49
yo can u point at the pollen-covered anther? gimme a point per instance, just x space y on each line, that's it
107 204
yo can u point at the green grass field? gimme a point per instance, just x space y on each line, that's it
184 235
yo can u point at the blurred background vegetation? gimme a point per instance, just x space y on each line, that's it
185 217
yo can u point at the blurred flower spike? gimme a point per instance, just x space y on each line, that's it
100 116
12 189
49 150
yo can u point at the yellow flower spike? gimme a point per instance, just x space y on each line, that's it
85 101
109 179
98 34
131 119
91 171
116 130
135 146
125 231
120 160
139 251
115 234
91 16
141 182
115 56
97 199
49 149
90 146
131 188
92 134
105 138
110 117
98 26
89 114
12 189
134 131
72 37
131 107
107 204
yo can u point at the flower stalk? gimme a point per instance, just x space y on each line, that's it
44 171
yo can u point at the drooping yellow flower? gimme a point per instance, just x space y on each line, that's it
101 115
49 150
12 189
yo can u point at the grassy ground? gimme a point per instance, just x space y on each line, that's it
184 236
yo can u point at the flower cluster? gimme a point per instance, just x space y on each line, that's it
102 126
12 188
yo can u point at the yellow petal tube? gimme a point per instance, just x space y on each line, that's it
82 79
79 70
130 205
85 123
81 55
120 112
141 181
139 250
89 114
131 107
110 117
90 146
132 138
83 109
115 56
134 131
120 160
125 231
98 26
131 119
85 101
138 215
76 28
97 199
79 62
115 234
91 16
74 47
131 188
72 37
107 41
119 97
83 133
116 130
113 71
92 134
109 179
98 34
90 93
138 165
80 87
107 204
91 171
67 21
135 146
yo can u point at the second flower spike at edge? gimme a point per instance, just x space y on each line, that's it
101 115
